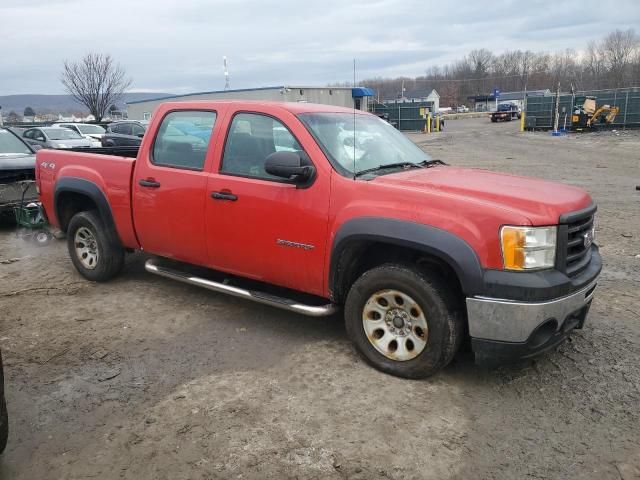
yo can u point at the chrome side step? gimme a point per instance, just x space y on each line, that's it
267 299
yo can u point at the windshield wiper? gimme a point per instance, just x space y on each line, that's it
423 164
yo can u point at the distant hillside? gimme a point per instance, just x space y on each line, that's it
58 103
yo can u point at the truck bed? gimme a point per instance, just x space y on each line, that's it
110 173
129 152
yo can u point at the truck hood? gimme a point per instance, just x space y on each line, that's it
18 161
541 201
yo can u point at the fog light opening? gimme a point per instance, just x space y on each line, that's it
543 333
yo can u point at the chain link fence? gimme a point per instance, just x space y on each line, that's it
406 116
540 111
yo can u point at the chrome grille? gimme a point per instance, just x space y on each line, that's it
576 253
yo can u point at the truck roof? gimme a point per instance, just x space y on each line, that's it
293 107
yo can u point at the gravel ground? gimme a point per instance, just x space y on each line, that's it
146 378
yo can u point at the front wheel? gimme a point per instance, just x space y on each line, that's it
4 424
93 254
404 322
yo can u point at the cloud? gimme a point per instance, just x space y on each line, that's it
177 46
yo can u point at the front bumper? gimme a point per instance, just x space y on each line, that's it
504 329
11 196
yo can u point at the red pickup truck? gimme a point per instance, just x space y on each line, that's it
312 208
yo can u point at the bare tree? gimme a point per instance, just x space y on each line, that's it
619 48
613 61
480 61
594 64
96 82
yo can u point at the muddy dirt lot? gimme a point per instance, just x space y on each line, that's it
146 378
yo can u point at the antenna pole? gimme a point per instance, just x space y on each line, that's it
227 86
354 121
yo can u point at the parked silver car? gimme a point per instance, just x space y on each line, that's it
55 137
93 133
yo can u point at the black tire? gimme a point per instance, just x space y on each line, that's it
109 143
442 310
4 416
493 120
110 256
4 424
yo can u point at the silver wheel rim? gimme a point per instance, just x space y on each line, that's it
395 325
86 248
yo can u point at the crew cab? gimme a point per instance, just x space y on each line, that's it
315 208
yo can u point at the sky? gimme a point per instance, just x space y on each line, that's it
177 46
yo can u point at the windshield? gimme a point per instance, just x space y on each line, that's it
374 143
61 134
10 144
91 129
505 107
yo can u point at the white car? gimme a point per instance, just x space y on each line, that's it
94 133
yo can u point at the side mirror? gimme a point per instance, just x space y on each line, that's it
140 135
288 165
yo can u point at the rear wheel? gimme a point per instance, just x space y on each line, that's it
403 322
93 254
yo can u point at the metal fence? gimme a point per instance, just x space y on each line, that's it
403 115
540 111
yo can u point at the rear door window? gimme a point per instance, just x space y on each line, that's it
183 139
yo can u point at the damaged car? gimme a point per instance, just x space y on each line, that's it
17 172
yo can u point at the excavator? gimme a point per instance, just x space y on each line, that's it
588 116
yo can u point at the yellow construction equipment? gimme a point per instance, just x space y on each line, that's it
588 115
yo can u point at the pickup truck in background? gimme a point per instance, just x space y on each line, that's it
314 208
506 112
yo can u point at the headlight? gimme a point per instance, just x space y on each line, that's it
61 145
528 248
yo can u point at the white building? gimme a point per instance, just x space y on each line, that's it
430 98
356 97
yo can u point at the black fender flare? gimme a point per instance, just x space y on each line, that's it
446 246
91 190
